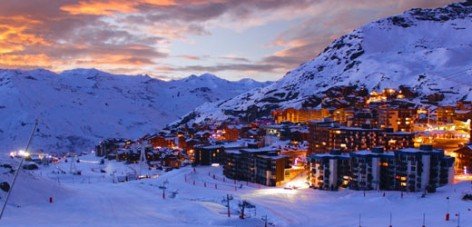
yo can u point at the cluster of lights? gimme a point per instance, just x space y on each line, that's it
219 135
383 96
20 153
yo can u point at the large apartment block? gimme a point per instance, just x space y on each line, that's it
214 154
330 135
424 168
407 169
299 115
329 171
263 166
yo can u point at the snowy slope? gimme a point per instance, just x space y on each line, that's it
91 199
426 50
78 108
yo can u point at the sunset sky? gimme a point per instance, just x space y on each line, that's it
261 39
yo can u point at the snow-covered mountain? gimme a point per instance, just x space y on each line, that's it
427 53
78 108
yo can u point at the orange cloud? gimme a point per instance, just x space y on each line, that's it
24 61
108 7
111 60
15 38
136 35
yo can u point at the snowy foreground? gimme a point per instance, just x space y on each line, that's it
93 200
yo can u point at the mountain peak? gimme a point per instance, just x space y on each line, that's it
80 107
83 72
209 76
247 80
203 77
425 50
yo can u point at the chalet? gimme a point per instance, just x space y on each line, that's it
464 105
110 146
129 155
231 133
445 114
463 115
464 159
172 161
252 132
272 134
162 141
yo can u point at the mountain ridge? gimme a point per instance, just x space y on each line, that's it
424 51
77 108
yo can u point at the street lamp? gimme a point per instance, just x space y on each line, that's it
447 214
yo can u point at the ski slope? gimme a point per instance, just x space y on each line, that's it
93 200
78 108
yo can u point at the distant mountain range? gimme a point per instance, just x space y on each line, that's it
426 53
78 108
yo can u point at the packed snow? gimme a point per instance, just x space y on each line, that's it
92 199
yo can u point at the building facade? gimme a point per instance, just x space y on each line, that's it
214 154
463 164
329 171
299 115
263 166
328 135
407 169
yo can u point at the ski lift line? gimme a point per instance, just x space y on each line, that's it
18 169
456 73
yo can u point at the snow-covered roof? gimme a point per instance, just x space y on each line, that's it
259 150
273 157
